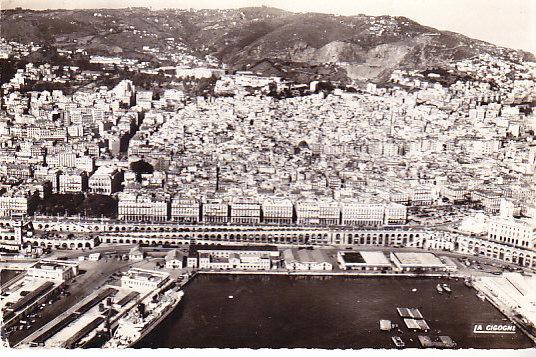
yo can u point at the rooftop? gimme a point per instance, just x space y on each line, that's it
417 259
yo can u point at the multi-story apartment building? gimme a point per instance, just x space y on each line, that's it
18 171
491 200
395 214
73 181
52 175
456 194
215 211
362 214
307 212
84 163
421 195
245 211
105 181
277 211
185 209
18 202
329 213
142 207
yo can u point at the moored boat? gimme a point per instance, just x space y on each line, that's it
439 289
399 343
133 327
447 288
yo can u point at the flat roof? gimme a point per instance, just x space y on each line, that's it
353 257
375 258
305 256
418 259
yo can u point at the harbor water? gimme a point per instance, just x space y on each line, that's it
256 311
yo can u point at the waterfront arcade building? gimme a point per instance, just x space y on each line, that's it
514 232
143 280
363 260
62 241
416 262
496 250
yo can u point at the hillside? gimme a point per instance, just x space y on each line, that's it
307 45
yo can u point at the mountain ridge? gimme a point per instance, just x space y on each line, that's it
365 47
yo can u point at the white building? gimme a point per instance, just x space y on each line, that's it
307 212
329 213
174 259
136 254
17 202
105 181
395 214
515 232
363 214
277 211
364 260
142 207
143 280
56 270
185 210
306 259
215 211
416 262
73 182
245 211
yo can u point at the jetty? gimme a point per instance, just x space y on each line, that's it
410 313
440 342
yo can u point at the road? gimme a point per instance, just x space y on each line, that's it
93 275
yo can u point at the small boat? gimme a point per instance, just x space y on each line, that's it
398 342
447 288
481 296
439 289
468 283
414 290
231 297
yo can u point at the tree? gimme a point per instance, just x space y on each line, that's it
141 167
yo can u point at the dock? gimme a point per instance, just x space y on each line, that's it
414 324
441 342
385 325
409 313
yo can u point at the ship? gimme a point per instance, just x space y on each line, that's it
439 289
132 327
481 295
447 288
399 343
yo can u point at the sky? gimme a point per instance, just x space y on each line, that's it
509 23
